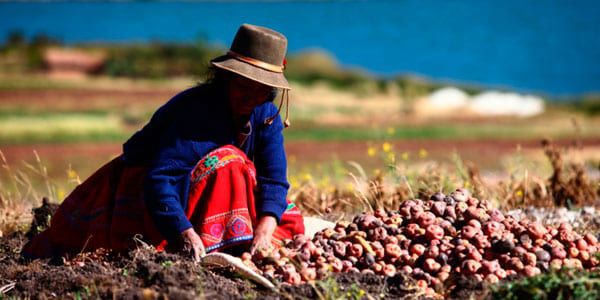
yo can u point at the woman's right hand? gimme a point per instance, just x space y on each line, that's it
192 240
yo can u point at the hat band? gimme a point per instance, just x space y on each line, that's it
255 62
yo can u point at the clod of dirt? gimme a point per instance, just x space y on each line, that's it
41 217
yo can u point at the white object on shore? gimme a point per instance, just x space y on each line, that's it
444 101
494 103
448 98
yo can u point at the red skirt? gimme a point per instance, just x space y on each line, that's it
108 211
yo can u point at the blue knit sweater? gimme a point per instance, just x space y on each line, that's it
180 133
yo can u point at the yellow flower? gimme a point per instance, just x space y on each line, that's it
377 172
324 182
371 151
405 155
350 186
391 130
294 182
60 194
519 193
307 177
422 153
386 147
391 157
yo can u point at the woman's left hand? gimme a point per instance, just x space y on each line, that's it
263 233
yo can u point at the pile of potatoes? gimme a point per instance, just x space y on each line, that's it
431 239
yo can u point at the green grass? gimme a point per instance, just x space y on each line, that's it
33 83
443 131
22 127
59 127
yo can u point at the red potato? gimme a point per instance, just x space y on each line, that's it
493 229
390 239
407 269
573 252
470 267
422 284
308 274
355 250
496 215
591 239
411 230
582 244
468 232
530 259
434 232
472 201
392 251
337 265
246 256
536 231
443 276
500 273
378 268
461 207
425 219
431 266
558 252
491 279
389 270
417 249
490 267
432 252
292 278
584 255
439 208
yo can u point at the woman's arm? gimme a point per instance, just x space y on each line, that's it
271 166
166 186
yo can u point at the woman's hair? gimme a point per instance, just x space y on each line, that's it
216 77
219 78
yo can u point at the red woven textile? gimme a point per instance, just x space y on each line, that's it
108 211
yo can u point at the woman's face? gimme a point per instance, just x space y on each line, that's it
245 94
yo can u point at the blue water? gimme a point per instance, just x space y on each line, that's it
549 46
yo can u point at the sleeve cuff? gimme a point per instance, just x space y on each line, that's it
273 208
183 225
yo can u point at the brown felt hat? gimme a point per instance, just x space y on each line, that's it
257 53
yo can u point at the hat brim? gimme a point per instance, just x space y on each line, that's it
249 71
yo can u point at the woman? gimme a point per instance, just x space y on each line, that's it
208 171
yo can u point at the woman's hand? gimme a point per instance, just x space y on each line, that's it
192 240
263 233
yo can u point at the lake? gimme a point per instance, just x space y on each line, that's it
551 47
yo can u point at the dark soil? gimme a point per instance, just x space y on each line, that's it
144 273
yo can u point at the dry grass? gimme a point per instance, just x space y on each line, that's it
568 185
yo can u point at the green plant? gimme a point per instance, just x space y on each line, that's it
562 284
